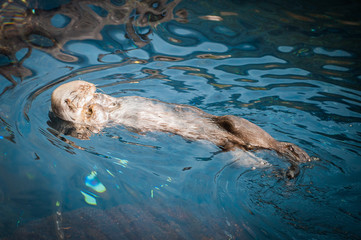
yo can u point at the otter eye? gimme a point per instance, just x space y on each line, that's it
89 111
291 148
70 104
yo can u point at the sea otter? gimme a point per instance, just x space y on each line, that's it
78 103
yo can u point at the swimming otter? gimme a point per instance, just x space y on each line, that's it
78 102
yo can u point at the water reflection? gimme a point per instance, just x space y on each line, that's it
50 30
68 128
6 131
93 182
89 198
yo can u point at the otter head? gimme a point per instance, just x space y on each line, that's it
293 152
73 102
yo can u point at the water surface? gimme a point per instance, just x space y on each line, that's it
290 67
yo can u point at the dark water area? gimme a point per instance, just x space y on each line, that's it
291 67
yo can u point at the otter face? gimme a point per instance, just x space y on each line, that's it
68 100
296 153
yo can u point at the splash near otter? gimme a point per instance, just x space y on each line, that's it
79 103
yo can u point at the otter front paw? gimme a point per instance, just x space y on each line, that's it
95 114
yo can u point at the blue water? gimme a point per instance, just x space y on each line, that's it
290 67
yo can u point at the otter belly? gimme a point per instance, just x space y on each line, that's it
145 115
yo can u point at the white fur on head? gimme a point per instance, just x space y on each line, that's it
68 100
